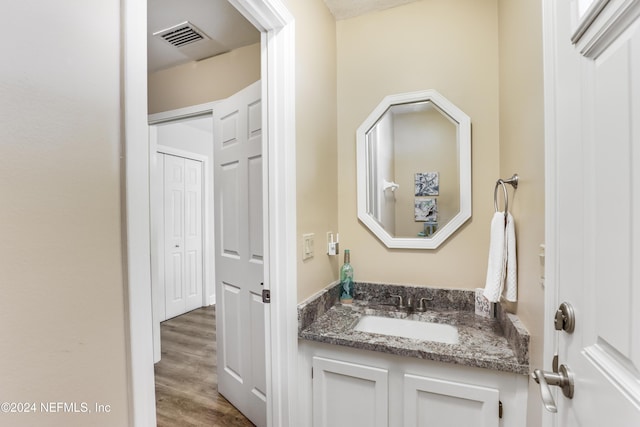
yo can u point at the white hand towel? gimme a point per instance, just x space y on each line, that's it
496 264
511 290
502 267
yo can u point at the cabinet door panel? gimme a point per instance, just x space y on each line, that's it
349 395
440 403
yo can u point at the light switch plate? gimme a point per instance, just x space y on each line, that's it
307 246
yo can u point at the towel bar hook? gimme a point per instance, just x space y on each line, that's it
513 181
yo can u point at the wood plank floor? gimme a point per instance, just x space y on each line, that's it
186 380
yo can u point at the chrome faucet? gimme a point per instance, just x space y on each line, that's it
419 307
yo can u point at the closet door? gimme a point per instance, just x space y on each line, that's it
193 234
183 235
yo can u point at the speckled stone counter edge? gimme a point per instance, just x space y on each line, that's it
316 305
514 331
441 299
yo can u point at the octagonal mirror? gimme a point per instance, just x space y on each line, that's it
414 170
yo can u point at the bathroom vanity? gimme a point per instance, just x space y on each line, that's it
375 364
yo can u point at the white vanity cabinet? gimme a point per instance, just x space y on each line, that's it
346 387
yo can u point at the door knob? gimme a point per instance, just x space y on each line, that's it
563 379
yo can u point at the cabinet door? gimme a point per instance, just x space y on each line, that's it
349 395
441 403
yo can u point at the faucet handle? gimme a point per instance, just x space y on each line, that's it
421 305
400 301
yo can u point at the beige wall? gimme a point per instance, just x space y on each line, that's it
522 152
316 155
204 81
432 44
62 308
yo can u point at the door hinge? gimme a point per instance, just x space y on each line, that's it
266 296
499 408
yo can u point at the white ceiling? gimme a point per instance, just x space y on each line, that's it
226 27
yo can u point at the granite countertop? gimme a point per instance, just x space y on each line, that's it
499 343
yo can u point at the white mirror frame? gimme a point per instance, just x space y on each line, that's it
464 152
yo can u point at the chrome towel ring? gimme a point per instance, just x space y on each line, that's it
501 182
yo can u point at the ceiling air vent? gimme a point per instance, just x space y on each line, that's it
182 34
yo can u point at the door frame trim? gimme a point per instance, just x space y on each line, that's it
277 26
549 31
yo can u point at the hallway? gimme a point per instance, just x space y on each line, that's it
186 380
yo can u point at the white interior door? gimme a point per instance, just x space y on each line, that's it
182 235
593 208
240 317
193 239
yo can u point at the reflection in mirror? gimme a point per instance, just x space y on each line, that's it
414 170
414 144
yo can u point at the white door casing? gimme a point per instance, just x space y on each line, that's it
592 104
239 248
183 239
277 25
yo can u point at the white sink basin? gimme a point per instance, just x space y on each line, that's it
406 328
